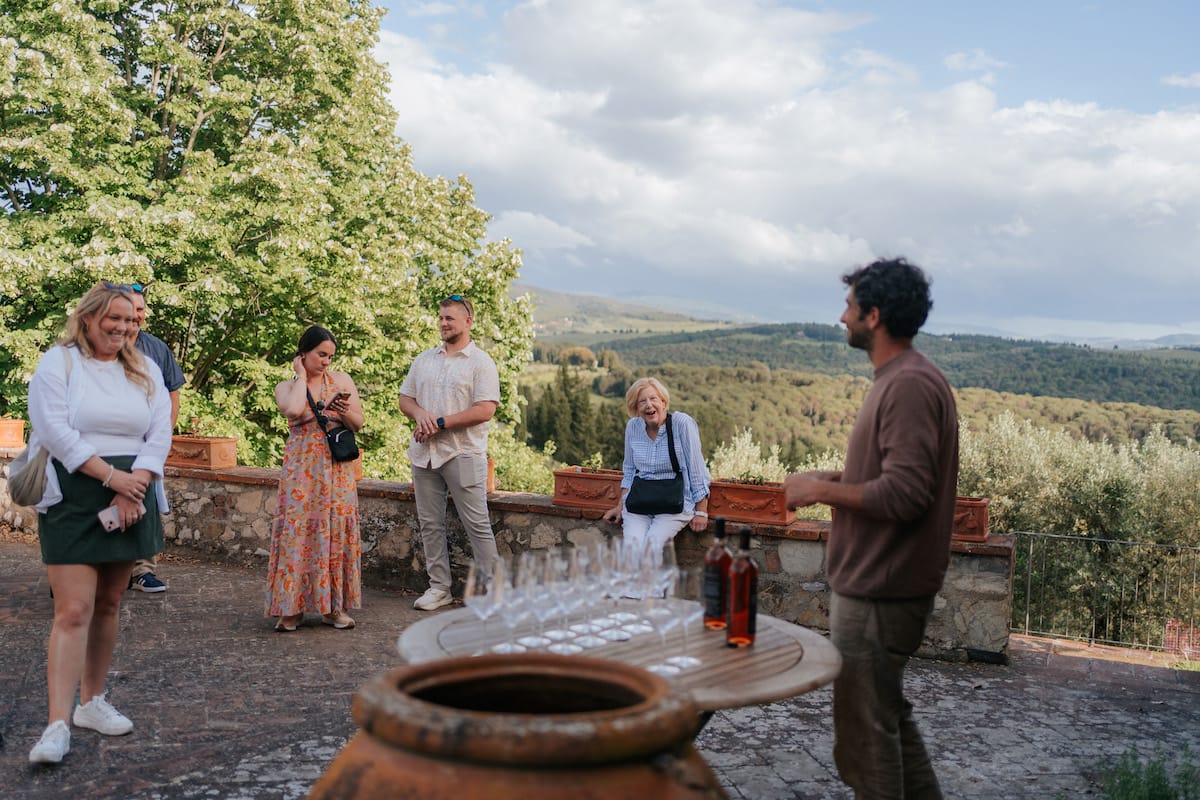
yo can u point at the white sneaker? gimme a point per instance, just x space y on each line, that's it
54 744
99 715
433 598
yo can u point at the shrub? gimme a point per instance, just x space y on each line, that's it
741 460
1129 779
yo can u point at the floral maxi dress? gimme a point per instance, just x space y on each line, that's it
316 552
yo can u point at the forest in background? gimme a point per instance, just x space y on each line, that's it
1165 378
798 386
583 411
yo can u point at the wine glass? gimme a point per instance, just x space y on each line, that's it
535 588
690 611
512 607
590 582
567 600
613 577
561 589
665 569
478 595
661 614
626 576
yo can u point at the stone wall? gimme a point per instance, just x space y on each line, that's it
226 516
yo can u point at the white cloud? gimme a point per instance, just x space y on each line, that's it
975 61
536 232
1191 81
429 9
725 146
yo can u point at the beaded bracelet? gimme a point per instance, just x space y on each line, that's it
111 470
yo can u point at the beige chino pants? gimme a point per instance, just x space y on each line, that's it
464 479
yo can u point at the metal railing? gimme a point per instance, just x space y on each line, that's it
1108 591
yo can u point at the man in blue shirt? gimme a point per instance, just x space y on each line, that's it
156 350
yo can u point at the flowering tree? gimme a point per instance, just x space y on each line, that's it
239 159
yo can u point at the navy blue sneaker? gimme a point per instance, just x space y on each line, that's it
147 583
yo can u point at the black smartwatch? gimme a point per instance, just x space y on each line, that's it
441 423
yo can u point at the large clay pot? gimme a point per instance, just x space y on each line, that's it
520 727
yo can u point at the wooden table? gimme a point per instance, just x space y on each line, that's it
785 660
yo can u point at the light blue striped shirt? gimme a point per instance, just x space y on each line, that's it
649 459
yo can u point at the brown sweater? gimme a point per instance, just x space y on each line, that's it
904 450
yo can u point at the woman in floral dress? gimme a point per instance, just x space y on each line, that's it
316 552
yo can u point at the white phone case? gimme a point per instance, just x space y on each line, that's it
110 518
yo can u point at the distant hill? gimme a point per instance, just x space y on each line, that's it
578 315
1165 379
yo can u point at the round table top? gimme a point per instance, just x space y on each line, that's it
785 660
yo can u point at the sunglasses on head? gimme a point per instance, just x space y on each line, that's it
458 298
125 287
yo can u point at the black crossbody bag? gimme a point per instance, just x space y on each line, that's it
662 496
340 438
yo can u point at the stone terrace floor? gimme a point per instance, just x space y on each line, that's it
224 707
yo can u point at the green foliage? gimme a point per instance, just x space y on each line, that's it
1092 579
987 362
240 159
1130 779
563 413
742 460
1049 481
520 468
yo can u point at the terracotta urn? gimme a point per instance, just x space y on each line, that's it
577 487
12 432
762 503
520 727
202 452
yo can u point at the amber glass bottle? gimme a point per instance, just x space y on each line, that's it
716 579
743 596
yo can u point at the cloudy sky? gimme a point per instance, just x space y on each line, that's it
1041 159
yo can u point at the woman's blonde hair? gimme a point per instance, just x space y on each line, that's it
631 396
95 305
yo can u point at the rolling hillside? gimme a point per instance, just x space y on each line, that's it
1165 379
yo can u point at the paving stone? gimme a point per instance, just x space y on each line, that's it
224 708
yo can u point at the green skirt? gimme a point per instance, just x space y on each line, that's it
71 533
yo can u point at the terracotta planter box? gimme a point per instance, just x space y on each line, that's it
202 452
749 502
575 487
12 432
971 519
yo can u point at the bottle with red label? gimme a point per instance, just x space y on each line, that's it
743 596
716 579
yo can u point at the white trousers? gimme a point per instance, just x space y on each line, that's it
652 530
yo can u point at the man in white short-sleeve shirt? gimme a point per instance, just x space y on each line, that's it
451 392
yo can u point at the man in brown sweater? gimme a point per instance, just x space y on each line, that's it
889 545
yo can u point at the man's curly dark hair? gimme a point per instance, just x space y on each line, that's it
898 289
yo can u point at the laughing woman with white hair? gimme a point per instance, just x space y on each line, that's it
661 491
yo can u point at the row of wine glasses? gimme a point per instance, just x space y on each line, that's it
573 596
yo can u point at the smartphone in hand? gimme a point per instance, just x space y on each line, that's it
339 397
110 518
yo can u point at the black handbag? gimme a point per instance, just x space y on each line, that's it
661 496
342 445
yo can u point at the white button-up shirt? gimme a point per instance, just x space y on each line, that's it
446 383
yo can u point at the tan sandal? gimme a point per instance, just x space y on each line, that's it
288 624
340 620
